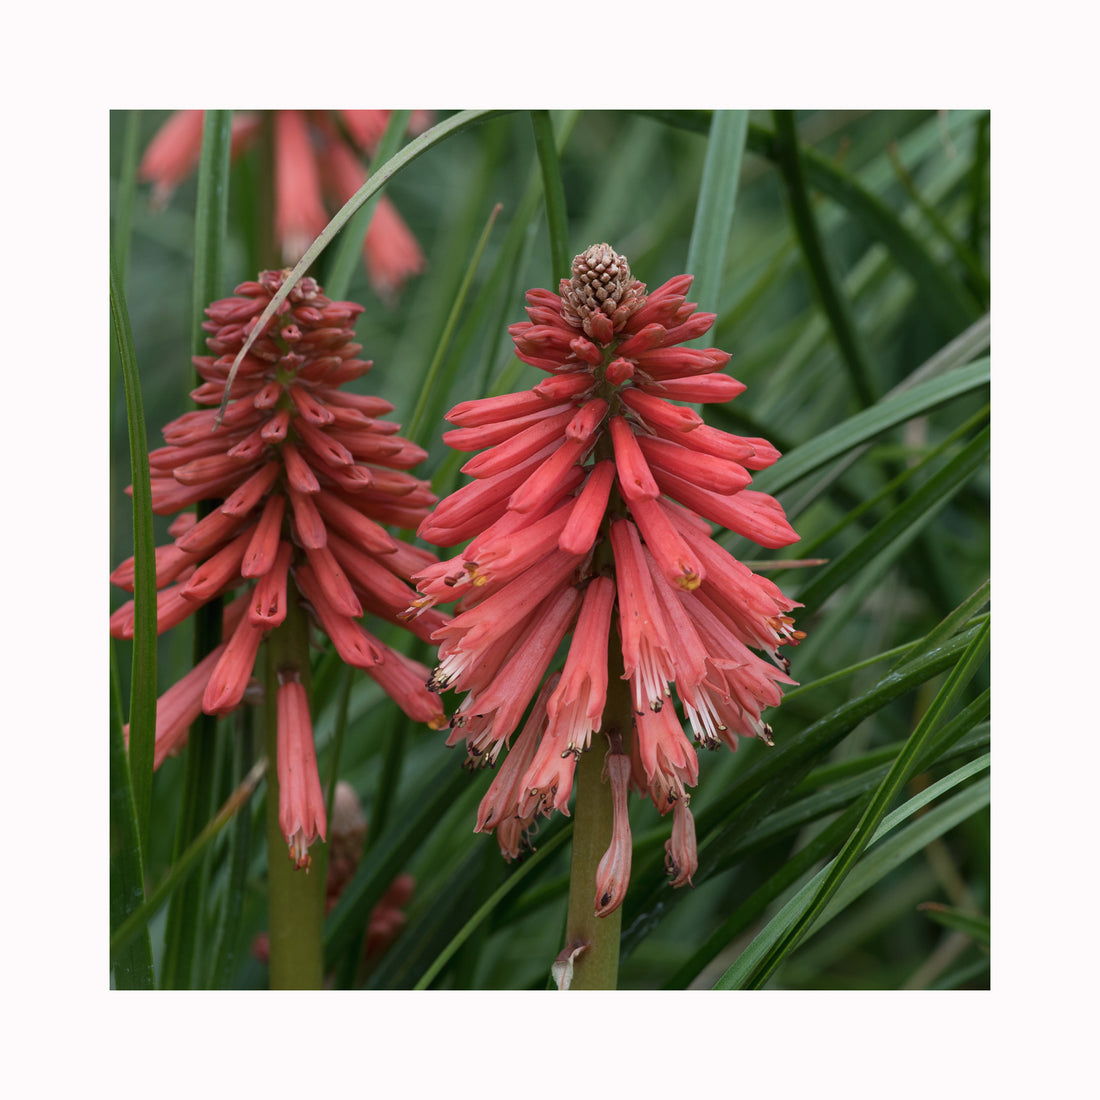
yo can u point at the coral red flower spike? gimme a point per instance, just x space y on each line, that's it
302 476
318 155
590 513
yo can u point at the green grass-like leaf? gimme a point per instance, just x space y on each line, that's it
185 866
350 248
124 202
185 937
710 232
133 968
514 879
869 424
886 540
901 770
788 156
211 214
417 428
878 862
553 195
972 924
143 693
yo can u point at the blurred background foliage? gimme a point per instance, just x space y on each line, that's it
854 276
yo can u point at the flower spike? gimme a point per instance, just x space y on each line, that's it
590 511
290 471
317 156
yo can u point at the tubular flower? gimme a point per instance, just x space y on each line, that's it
347 837
590 514
301 476
318 155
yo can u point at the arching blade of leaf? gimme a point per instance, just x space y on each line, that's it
888 538
414 149
901 770
877 862
971 924
490 904
133 969
183 868
185 932
553 196
866 425
351 244
789 157
710 232
765 785
143 685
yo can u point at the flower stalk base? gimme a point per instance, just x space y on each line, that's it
296 899
597 966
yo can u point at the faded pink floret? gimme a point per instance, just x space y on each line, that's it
613 873
299 212
318 166
301 803
299 478
599 481
172 155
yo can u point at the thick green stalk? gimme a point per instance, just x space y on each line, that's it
597 966
296 899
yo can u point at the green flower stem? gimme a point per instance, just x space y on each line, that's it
597 966
296 899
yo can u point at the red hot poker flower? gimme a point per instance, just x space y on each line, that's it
305 475
318 156
591 504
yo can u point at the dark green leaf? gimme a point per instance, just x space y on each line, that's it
710 232
143 684
554 196
133 969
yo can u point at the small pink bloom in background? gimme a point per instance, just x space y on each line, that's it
590 513
303 475
318 166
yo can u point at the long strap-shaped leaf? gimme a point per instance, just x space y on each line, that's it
133 967
188 861
554 195
869 423
415 428
186 926
888 854
347 251
788 157
875 812
887 539
489 905
143 687
765 784
710 232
